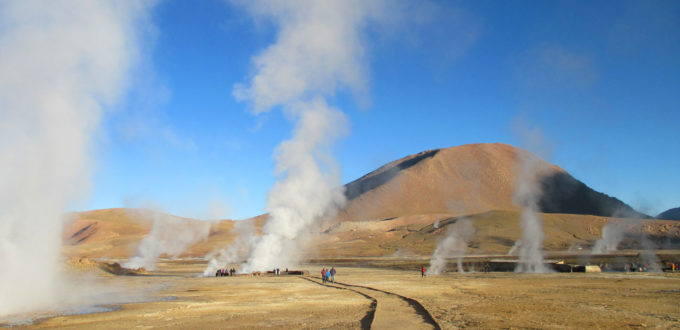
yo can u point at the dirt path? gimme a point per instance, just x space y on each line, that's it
388 310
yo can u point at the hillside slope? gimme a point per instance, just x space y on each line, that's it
469 179
671 214
495 232
116 233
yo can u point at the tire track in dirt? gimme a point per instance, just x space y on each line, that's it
367 320
392 310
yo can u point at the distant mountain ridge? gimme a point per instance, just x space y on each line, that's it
671 214
403 208
562 193
469 179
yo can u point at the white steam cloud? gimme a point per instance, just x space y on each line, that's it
454 244
633 229
531 245
234 253
612 234
61 64
514 247
318 51
169 235
527 194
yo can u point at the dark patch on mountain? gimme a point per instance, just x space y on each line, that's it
562 193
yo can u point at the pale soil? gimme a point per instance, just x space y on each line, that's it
387 299
563 300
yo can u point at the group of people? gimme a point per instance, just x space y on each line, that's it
328 275
225 272
277 271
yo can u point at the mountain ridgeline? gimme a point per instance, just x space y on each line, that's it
405 206
562 193
470 179
672 214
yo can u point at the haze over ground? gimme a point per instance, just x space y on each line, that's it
600 80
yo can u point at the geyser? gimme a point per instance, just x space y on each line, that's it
527 194
61 64
235 252
612 234
454 244
318 51
169 235
633 229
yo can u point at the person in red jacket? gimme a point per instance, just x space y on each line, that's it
323 274
422 271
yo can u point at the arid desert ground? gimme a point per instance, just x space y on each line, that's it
174 296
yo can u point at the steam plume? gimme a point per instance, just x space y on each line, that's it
318 51
514 247
62 63
616 230
234 253
169 235
527 194
612 234
454 244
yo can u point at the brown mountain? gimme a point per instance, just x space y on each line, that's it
404 207
469 179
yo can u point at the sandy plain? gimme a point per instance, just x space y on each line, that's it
174 297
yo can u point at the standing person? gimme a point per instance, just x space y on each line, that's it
422 271
323 274
328 274
333 274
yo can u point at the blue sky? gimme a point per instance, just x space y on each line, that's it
600 79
